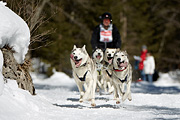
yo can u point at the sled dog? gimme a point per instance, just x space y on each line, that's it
122 75
107 73
98 61
84 73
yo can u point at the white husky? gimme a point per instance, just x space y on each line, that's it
107 73
122 74
84 73
98 61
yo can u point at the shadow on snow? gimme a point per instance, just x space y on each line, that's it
82 106
51 87
158 111
97 98
142 87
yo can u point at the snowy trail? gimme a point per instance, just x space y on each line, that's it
149 102
57 99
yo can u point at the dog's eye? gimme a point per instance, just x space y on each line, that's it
122 55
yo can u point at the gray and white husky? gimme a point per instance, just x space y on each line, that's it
84 73
98 61
122 75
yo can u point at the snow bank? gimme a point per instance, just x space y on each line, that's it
14 32
18 104
58 78
166 80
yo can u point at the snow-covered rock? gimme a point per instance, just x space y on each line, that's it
14 32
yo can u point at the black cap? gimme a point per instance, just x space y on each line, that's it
106 15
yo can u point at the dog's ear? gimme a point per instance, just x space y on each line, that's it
125 52
84 47
93 51
74 47
118 49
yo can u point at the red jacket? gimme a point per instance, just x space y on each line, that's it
143 57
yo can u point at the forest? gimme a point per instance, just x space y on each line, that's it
57 25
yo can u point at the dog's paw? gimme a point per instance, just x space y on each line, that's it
129 99
126 96
93 104
118 102
122 94
80 100
97 90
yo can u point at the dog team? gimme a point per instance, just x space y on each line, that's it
109 71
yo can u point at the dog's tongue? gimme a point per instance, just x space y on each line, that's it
78 63
123 64
110 61
71 56
98 57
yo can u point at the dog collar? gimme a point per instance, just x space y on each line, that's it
117 70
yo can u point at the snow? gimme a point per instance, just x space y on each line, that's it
166 80
14 32
57 99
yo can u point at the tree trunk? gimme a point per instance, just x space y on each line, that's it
15 71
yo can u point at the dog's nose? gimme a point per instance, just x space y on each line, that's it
109 55
99 54
75 57
119 59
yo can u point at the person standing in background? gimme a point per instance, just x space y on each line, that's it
141 62
149 67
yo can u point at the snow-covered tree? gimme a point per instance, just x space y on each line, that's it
14 43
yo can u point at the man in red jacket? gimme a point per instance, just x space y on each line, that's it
141 64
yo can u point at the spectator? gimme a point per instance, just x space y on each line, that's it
136 72
149 67
141 64
106 35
